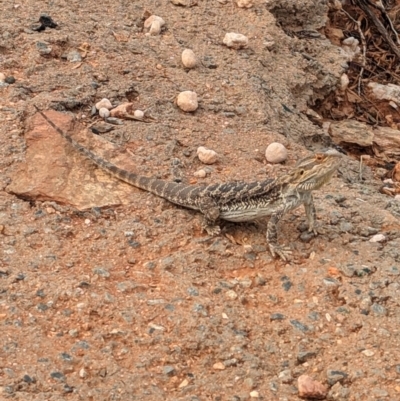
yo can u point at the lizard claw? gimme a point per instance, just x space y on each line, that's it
283 252
212 230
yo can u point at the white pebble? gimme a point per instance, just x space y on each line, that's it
155 28
378 238
230 294
200 173
154 23
275 153
344 82
187 101
189 59
2 77
104 113
254 394
87 221
104 103
138 114
82 373
206 156
235 40
244 3
151 19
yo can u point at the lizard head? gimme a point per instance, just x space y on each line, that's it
314 171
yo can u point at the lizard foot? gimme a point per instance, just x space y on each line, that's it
212 230
283 252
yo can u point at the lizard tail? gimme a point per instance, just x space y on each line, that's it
156 186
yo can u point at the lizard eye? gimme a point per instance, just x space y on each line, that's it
301 172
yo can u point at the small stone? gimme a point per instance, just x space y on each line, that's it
335 376
184 383
286 376
43 48
244 3
304 356
189 59
104 113
219 366
151 19
101 272
310 388
169 370
138 114
104 103
10 80
344 82
74 56
2 77
82 373
187 101
276 153
154 23
206 156
155 28
231 295
378 238
73 332
368 352
200 173
338 393
124 110
254 394
235 40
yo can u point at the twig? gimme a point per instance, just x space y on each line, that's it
382 30
379 5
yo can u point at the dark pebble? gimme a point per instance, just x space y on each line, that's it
28 379
57 375
277 316
304 356
335 376
300 326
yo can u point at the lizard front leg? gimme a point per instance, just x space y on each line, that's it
311 214
210 210
272 237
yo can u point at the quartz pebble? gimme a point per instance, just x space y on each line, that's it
206 156
154 24
235 40
200 173
275 153
138 114
104 103
244 3
219 366
187 101
378 238
344 82
104 113
189 59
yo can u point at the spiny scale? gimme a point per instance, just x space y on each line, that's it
235 201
